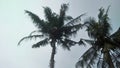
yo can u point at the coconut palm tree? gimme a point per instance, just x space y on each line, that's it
56 29
105 47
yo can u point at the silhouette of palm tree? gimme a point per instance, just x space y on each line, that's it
105 49
56 29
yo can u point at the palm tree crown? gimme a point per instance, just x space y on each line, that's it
105 49
57 28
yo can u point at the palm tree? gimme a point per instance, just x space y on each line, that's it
56 29
105 49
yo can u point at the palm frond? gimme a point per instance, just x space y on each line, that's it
75 20
71 30
67 43
63 10
86 58
41 43
34 32
116 37
92 27
36 20
48 13
30 37
81 42
93 59
91 42
80 64
104 20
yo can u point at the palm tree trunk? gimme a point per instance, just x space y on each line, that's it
52 61
111 65
108 59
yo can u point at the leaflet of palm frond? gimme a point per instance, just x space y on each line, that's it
35 31
36 20
63 10
75 20
41 43
30 37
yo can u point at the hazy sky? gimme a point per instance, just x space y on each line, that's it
15 24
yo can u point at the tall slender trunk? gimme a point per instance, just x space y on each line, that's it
107 56
111 65
52 61
108 59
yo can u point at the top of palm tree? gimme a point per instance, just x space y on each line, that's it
105 49
58 27
101 28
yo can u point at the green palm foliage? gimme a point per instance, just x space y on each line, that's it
105 47
56 29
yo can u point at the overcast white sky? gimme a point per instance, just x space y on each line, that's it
15 24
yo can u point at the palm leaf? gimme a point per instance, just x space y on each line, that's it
34 32
36 20
75 20
67 43
30 37
62 16
48 13
81 42
86 57
71 30
41 43
91 42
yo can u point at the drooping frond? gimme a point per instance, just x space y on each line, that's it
36 20
67 43
35 31
41 43
30 37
